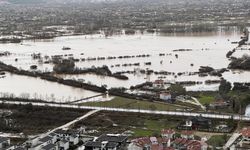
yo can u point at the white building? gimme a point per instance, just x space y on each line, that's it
64 145
165 96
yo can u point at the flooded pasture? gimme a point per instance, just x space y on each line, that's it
204 49
28 87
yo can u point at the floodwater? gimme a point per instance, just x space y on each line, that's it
29 87
207 49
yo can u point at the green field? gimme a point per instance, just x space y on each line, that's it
154 127
218 140
204 99
119 102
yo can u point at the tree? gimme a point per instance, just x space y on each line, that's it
64 66
177 89
224 87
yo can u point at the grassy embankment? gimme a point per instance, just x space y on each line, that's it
120 102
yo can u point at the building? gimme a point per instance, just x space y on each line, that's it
50 147
182 143
4 142
47 140
146 143
187 134
70 135
219 104
74 139
105 145
158 84
63 144
245 141
196 123
107 141
168 133
15 148
166 96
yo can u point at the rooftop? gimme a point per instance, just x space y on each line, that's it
3 139
187 132
93 144
19 148
45 139
49 147
112 138
246 132
167 131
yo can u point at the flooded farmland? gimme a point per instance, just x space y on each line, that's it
34 88
165 53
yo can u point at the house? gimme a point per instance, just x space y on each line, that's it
182 143
64 144
245 137
47 140
108 142
158 84
93 145
146 143
243 142
74 139
196 123
112 146
61 133
50 147
121 140
153 140
168 133
140 143
219 104
37 146
187 134
32 141
166 96
19 148
70 135
200 122
14 147
4 142
54 137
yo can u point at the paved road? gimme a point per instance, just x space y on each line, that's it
198 103
233 138
172 113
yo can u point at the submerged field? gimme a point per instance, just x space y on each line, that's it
180 53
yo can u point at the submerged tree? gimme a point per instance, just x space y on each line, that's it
64 66
224 87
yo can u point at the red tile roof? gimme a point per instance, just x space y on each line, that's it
157 147
246 132
167 131
169 148
142 141
159 82
187 132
